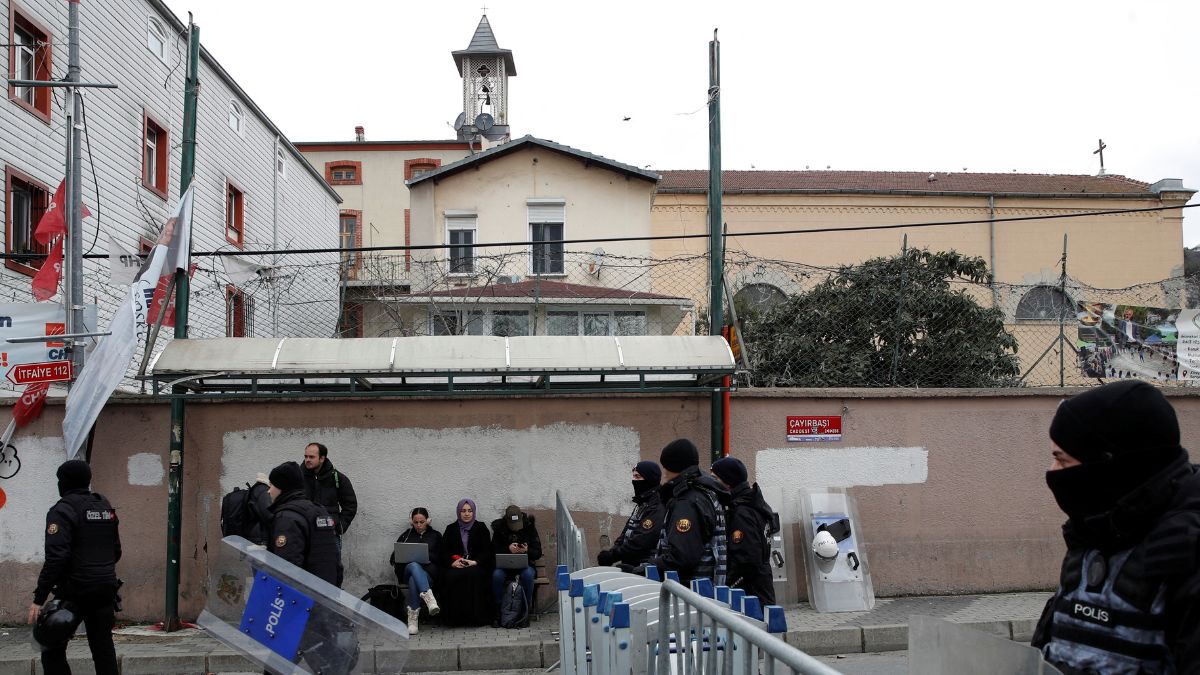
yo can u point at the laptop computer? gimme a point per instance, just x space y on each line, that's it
409 553
512 561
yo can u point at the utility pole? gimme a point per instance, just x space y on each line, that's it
716 243
73 255
187 165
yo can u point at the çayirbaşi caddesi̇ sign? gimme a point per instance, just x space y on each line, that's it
814 428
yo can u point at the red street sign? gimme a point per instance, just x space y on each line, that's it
814 428
51 371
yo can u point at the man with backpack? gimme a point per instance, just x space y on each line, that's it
750 522
514 533
328 487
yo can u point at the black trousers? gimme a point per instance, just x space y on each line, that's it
98 618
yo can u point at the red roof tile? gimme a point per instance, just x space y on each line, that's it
904 181
543 288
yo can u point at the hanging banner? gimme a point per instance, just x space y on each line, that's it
24 363
1132 341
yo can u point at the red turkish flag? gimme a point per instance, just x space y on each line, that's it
45 282
53 223
29 406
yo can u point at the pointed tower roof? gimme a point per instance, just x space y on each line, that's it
483 43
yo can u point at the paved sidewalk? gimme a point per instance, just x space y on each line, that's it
885 628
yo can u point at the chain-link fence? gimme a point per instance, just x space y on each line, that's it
917 319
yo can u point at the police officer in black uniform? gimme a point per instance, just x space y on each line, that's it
640 537
750 522
82 550
302 532
1128 599
693 537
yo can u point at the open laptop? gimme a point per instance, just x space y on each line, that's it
512 561
410 553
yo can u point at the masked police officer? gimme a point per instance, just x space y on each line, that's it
1128 599
693 537
750 522
640 536
302 532
82 550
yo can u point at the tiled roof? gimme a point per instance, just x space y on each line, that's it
904 181
543 288
524 141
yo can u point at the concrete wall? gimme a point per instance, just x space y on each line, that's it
950 486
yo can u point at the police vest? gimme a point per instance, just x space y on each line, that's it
713 563
93 544
320 547
1108 617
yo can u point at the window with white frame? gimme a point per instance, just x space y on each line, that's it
498 322
237 118
156 38
546 220
595 322
280 163
460 235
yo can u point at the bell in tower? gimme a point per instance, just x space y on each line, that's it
485 69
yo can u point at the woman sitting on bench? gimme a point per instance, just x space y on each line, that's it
419 577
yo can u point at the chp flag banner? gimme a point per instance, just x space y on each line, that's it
51 225
109 360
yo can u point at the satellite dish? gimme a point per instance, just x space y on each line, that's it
596 262
460 121
484 121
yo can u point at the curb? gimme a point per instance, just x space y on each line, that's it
891 637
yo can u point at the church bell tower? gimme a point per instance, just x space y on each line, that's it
485 69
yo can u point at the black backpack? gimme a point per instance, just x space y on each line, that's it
514 609
388 598
236 517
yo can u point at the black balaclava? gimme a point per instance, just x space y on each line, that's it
1123 434
651 477
74 474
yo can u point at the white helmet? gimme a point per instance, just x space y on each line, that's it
824 546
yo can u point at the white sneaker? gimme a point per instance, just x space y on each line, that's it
412 620
431 602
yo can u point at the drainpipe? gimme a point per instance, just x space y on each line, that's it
992 249
275 237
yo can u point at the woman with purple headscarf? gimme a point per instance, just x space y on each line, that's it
467 559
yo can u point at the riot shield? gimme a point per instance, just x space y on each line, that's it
938 647
839 581
291 622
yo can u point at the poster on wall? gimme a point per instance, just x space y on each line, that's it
1132 341
23 363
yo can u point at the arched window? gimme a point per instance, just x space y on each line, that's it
1045 303
758 297
237 118
156 38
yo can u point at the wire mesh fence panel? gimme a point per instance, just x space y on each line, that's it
917 319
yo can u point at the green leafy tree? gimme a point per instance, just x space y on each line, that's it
888 322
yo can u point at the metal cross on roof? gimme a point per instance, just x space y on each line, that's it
1100 151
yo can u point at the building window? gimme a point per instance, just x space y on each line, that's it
460 234
235 211
25 202
351 325
239 313
350 236
29 59
156 38
415 168
1045 303
546 224
498 322
155 163
343 173
280 163
595 322
237 119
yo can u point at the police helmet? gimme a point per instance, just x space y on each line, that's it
825 546
55 625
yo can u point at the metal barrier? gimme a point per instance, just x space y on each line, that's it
572 549
612 622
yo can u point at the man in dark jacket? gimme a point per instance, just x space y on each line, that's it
750 523
330 488
515 533
1128 599
302 532
83 546
640 537
693 537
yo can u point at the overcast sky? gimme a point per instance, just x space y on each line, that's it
868 85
